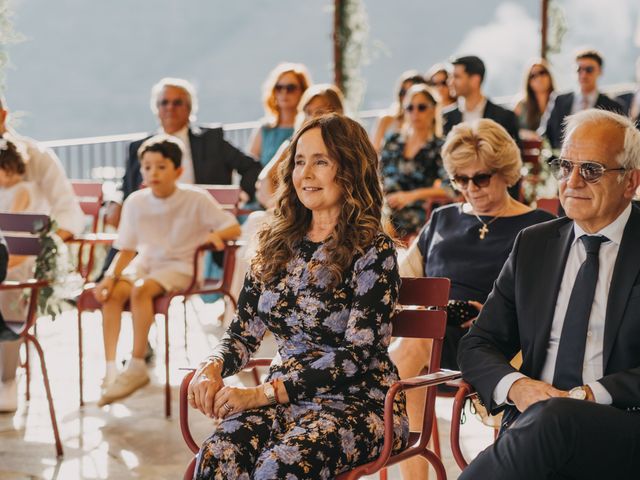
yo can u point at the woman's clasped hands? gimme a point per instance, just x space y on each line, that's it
208 393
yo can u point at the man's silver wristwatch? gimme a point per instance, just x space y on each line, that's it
578 393
269 392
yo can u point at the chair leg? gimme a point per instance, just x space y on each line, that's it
191 468
383 474
167 385
184 311
256 375
436 463
45 377
435 437
27 369
80 359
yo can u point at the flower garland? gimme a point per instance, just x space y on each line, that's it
7 36
352 36
54 265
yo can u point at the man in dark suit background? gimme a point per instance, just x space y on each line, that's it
208 159
589 65
569 298
467 78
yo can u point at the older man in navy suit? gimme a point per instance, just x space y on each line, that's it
568 297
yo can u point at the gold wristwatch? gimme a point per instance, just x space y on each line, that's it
578 393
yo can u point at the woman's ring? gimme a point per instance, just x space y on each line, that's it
227 407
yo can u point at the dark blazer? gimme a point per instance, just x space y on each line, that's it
214 160
562 109
625 100
519 312
504 117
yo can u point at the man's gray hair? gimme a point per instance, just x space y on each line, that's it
629 157
180 83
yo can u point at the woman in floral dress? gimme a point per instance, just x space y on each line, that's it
324 282
411 165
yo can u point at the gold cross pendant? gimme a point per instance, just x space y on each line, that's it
483 231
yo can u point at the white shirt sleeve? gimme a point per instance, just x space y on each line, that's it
600 393
45 170
127 229
501 391
212 214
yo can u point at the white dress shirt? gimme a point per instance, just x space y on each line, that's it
472 115
583 102
188 174
593 367
44 169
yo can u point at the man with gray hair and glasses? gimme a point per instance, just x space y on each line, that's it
569 298
208 157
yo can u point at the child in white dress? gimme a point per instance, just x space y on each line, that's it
160 229
16 195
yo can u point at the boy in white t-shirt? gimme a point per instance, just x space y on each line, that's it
160 230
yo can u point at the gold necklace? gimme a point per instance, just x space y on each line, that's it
485 226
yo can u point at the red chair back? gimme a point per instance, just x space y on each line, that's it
89 196
228 196
551 205
531 151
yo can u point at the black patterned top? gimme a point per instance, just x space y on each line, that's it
333 342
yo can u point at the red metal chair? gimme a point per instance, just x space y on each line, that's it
89 194
87 302
20 232
410 322
531 151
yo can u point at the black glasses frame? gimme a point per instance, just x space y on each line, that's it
480 180
288 87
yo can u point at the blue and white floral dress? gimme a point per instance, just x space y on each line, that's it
335 367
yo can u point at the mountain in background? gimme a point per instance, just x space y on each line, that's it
86 66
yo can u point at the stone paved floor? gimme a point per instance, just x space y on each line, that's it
131 439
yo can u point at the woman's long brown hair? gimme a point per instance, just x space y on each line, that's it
359 221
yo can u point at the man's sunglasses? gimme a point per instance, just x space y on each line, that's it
421 107
286 87
166 102
480 180
586 69
591 172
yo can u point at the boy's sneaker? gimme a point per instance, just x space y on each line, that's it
124 385
8 396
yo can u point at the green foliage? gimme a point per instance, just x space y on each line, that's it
53 265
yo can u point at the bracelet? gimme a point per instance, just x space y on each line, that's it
274 384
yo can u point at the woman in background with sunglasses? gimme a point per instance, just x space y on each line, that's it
393 121
536 100
281 93
411 165
466 242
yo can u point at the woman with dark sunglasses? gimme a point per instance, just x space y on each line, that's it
281 93
393 121
467 242
411 165
538 91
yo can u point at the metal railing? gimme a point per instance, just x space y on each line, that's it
104 158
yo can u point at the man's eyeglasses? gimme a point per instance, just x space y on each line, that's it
178 102
539 73
586 69
480 180
421 107
286 87
591 172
